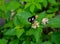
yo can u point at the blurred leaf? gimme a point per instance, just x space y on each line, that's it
55 37
21 0
40 0
23 18
8 24
13 5
30 32
26 42
3 41
32 42
55 22
27 0
7 15
1 2
53 2
45 3
4 7
19 32
38 6
52 10
32 7
47 42
14 42
27 5
10 32
37 34
50 15
19 10
16 21
2 14
41 15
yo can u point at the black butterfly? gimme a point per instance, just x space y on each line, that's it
31 19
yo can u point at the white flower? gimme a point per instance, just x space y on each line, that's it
35 24
45 21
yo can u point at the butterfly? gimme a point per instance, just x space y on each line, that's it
31 19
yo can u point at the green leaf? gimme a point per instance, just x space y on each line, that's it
4 7
47 42
7 15
30 32
21 0
19 10
23 18
27 5
53 2
40 0
32 7
16 21
14 41
3 41
50 15
25 0
26 42
55 22
10 32
2 14
52 10
45 3
55 37
38 6
41 16
19 32
13 5
32 42
37 34
8 24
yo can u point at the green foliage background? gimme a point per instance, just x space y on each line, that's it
19 31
